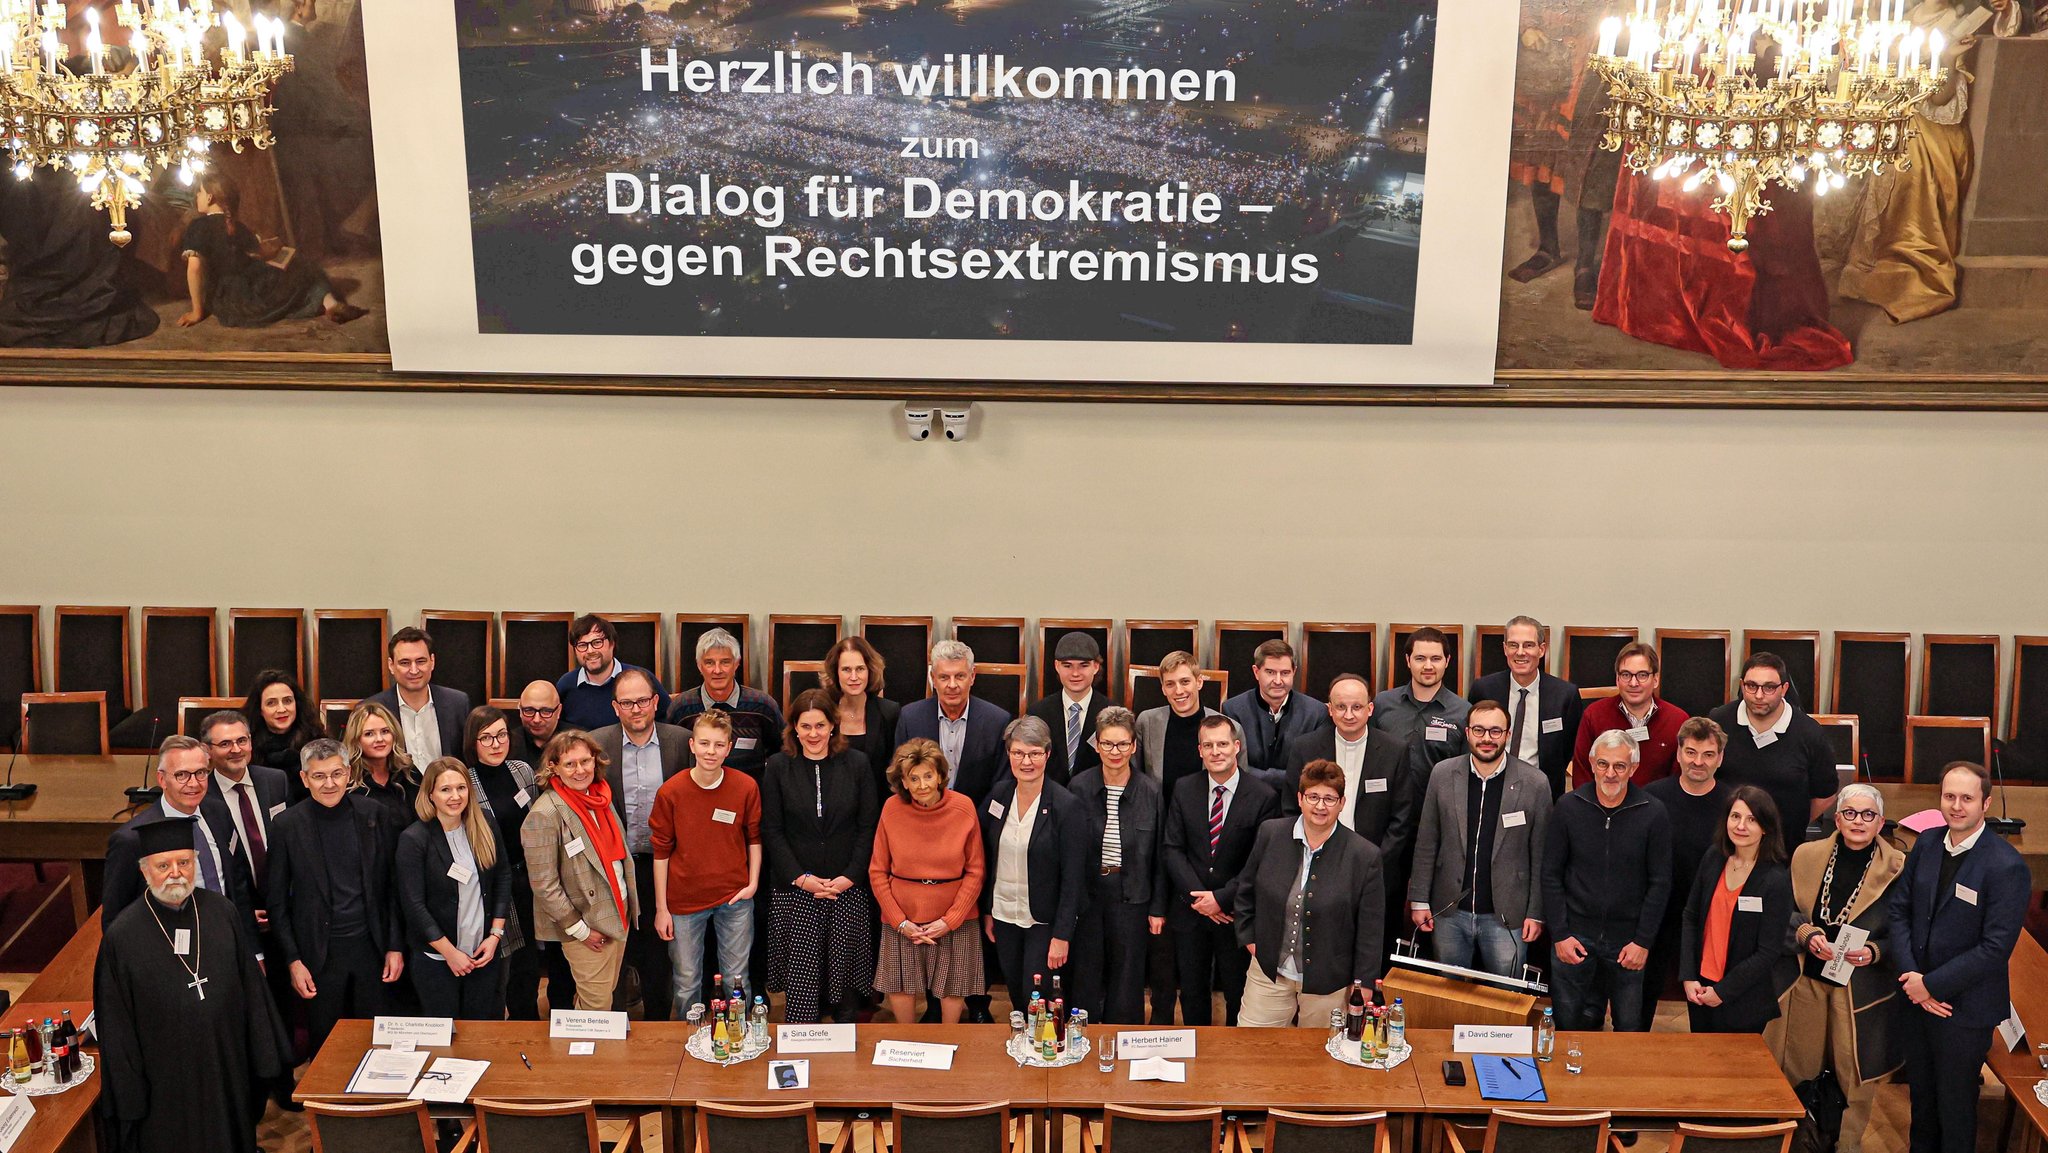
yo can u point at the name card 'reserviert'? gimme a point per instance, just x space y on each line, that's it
431 1032
596 1026
814 1039
1512 1040
1138 1044
914 1055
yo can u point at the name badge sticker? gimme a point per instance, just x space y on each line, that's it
460 873
724 816
1437 731
1639 734
746 742
995 808
524 798
1748 904
1964 892
1373 785
1766 740
1514 820
1554 725
574 848
277 808
181 940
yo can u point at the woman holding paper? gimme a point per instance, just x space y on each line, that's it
1844 1021
1736 954
455 892
926 872
584 891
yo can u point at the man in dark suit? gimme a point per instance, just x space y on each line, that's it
1271 713
249 795
430 716
1071 712
222 867
641 753
331 899
1211 822
968 731
1543 710
1956 912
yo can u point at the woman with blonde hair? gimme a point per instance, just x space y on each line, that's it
454 893
379 766
584 893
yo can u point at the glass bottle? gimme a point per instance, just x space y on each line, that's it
58 1049
1369 1036
757 1028
1048 1039
18 1069
34 1039
1397 1026
1354 1013
721 1040
1077 1030
1546 1036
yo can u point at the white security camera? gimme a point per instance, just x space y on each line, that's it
917 422
954 420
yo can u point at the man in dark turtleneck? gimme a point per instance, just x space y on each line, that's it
331 903
1697 803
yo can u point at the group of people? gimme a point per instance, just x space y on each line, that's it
442 858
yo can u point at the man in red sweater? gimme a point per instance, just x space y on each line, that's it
706 829
1637 710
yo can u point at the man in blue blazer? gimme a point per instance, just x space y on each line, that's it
1543 710
1271 713
425 711
972 733
1956 914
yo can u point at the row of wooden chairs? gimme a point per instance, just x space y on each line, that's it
341 657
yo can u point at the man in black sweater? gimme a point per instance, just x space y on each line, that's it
1777 747
1697 805
1606 879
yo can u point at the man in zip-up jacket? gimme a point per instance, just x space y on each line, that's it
1606 880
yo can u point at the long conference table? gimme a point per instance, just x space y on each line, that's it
1647 1079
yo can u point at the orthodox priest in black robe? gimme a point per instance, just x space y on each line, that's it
188 1034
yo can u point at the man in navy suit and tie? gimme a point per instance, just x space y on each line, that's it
1543 710
1211 823
1956 914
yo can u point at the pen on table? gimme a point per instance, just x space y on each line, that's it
1511 1068
525 1062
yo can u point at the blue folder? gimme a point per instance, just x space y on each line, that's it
1508 1078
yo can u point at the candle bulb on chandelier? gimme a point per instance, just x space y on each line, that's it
1935 43
1610 31
93 48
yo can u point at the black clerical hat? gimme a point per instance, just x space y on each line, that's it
165 836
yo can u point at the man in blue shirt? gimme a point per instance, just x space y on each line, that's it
586 690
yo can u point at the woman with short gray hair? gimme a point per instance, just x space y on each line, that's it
1035 838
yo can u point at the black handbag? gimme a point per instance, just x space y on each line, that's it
1821 1127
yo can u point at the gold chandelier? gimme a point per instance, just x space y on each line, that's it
118 114
1689 100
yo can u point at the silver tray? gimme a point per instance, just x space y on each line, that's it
1347 1052
699 1046
1022 1052
40 1085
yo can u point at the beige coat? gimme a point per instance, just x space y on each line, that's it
568 889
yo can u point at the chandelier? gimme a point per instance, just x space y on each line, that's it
1744 93
119 113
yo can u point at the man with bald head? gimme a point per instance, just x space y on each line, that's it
187 1032
540 717
640 753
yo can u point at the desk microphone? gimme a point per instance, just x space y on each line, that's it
2004 822
145 792
1417 930
11 791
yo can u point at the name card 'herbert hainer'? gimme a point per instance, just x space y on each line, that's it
594 1026
1134 1045
1513 1040
814 1039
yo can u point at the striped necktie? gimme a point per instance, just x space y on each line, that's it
1073 734
1215 821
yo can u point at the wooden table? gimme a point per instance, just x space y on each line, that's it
64 1122
2027 802
1244 1070
78 804
68 976
2020 1070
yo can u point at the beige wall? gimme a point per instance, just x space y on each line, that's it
1921 522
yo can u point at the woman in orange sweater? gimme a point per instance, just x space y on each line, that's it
926 873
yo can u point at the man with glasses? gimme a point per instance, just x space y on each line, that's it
586 690
1777 747
540 716
430 715
642 753
1543 710
184 775
1696 803
1649 720
249 795
1479 851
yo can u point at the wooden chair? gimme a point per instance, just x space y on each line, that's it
2025 750
180 655
1508 1131
1695 664
1599 694
1290 1132
1932 742
92 655
1158 1130
796 677
984 1128
798 637
21 664
1329 649
1800 650
906 647
727 1128
690 627
1872 671
532 647
1489 651
997 640
387 1127
73 724
334 714
1959 675
640 640
1146 643
1774 1138
1454 649
192 710
1589 654
1232 643
548 1127
261 639
1051 629
348 653
1141 688
465 654
1004 685
1845 735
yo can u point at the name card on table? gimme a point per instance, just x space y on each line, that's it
14 1119
1513 1040
433 1032
596 1026
1137 1044
2010 1030
1158 1069
814 1039
914 1055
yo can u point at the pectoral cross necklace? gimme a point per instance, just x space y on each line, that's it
198 982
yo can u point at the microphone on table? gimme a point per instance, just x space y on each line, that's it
144 793
11 791
2004 822
1417 930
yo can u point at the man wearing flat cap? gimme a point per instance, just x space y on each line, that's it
1070 713
187 1031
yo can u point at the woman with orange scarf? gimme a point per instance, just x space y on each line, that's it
583 892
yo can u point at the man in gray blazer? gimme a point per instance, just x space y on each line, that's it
641 753
1479 851
1167 734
